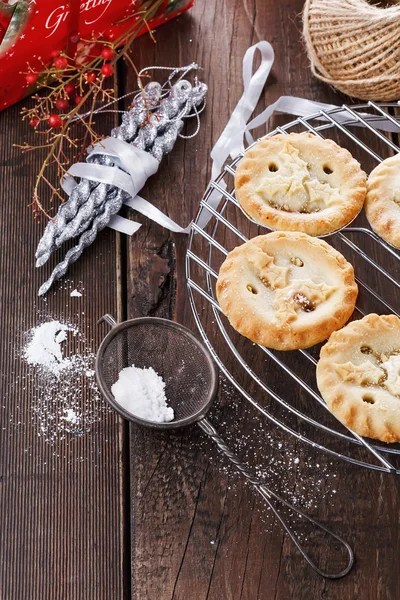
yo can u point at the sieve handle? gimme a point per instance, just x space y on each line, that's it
108 319
268 495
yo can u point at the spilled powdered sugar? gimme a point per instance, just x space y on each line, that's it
303 478
44 347
66 400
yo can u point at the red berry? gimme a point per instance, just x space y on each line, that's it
34 122
62 104
55 121
107 53
70 89
74 38
91 76
54 53
78 99
31 78
60 62
107 70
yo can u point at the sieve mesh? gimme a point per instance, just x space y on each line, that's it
174 353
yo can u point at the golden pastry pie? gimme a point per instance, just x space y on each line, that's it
382 204
286 290
300 182
358 375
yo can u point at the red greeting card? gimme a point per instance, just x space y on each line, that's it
32 32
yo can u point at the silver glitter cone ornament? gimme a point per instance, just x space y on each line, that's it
152 125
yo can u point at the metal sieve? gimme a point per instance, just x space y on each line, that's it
189 373
191 384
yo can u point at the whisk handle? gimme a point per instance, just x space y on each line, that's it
268 495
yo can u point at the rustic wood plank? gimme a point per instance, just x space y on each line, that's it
60 504
197 530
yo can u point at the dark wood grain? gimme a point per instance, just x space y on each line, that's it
60 503
197 530
124 513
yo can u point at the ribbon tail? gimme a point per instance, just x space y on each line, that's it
129 227
231 140
123 225
149 210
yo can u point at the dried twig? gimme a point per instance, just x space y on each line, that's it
76 84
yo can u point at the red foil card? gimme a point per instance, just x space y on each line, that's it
33 31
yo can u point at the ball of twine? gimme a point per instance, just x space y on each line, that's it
354 46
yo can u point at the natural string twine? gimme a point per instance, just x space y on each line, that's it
354 46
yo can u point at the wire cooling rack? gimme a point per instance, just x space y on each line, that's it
293 402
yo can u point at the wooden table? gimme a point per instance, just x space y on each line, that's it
124 513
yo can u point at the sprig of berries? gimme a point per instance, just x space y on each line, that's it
75 82
72 93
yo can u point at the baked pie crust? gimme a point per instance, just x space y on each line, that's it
300 182
382 204
358 375
286 290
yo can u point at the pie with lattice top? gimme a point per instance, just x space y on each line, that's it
300 182
382 204
286 290
358 375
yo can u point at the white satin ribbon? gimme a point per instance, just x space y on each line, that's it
136 165
231 141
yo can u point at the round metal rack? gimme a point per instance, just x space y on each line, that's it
302 413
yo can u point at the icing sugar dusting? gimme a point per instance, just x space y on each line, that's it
304 479
66 401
